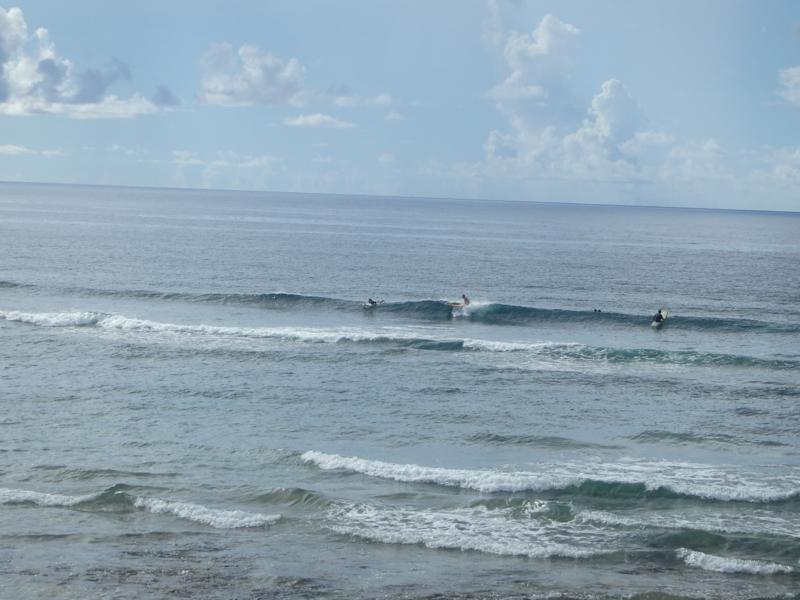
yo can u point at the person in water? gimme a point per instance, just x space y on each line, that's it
464 302
659 316
372 302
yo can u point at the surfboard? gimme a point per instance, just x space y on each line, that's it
658 324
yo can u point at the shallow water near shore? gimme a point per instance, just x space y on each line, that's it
197 403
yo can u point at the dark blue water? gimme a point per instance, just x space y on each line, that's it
196 402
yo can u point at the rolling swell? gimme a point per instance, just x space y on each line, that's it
439 310
274 300
489 313
550 351
507 314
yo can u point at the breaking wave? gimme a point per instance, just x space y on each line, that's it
403 338
633 479
721 564
494 313
476 529
117 499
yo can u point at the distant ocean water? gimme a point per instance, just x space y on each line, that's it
196 403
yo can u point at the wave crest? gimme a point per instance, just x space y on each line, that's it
660 479
117 499
721 564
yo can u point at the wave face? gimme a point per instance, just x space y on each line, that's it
638 479
492 313
117 499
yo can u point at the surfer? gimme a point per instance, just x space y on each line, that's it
658 317
464 302
372 302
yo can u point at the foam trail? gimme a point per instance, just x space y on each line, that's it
482 481
474 529
721 564
10 496
550 354
60 319
698 480
220 519
751 523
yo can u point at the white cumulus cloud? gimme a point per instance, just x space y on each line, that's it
17 150
317 120
14 150
249 77
789 80
538 62
347 100
34 79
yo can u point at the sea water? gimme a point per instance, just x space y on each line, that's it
196 403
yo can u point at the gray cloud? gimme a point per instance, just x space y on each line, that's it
93 83
165 97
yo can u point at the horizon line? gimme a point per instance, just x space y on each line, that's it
398 197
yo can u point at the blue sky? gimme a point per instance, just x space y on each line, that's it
641 102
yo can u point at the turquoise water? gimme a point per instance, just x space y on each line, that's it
197 403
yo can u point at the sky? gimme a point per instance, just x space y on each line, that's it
679 103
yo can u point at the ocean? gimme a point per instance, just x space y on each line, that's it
197 403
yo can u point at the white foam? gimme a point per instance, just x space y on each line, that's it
721 564
470 529
494 346
331 335
706 481
59 319
482 481
751 522
10 496
221 519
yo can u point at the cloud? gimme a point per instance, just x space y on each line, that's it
539 63
606 149
317 120
394 116
596 147
34 79
347 100
551 135
92 84
16 150
537 90
386 158
227 160
250 77
782 169
789 81
226 170
164 97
